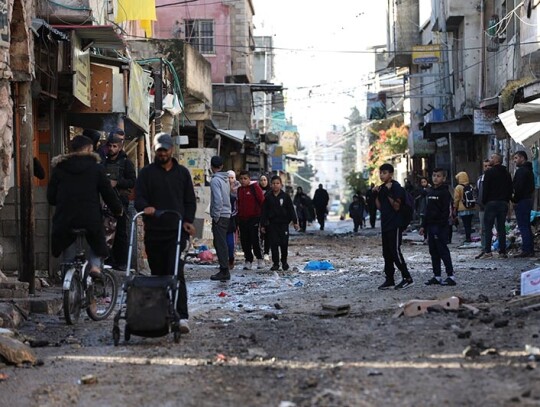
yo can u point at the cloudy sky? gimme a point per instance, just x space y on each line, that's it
320 56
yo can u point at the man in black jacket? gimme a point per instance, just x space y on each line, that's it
121 173
320 201
523 200
496 196
76 184
163 185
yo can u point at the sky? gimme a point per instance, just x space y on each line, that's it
320 56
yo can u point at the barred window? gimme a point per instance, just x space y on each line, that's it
200 35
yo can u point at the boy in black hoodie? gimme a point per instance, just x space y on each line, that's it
435 225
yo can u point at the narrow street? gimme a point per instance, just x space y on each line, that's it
262 339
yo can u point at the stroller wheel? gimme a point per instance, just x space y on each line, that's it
127 333
116 335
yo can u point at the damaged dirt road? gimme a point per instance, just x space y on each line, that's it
262 340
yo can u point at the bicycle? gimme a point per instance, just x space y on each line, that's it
97 296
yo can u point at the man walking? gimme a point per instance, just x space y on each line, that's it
320 201
121 173
163 185
496 195
220 212
486 165
523 199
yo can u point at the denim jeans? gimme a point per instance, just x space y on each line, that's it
495 211
523 218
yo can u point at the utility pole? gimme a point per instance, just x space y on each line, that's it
25 136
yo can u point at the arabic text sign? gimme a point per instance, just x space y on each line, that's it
426 54
530 282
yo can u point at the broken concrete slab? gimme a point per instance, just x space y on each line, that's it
414 308
16 352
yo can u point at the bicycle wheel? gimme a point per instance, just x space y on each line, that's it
72 298
102 295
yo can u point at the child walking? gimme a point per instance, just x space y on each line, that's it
435 226
356 212
277 212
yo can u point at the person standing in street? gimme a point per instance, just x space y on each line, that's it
265 186
464 209
356 212
486 165
250 201
121 173
320 201
220 212
389 196
371 204
77 184
523 184
166 185
277 213
497 192
435 226
231 231
301 203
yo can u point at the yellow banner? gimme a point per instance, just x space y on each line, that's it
136 10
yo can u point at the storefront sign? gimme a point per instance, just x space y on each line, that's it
81 67
419 146
426 54
138 104
483 121
277 158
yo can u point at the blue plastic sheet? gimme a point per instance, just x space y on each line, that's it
319 265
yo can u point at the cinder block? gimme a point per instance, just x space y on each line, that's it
14 285
9 228
41 211
42 227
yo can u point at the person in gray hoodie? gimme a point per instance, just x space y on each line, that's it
220 212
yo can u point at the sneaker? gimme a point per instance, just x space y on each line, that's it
275 267
223 275
479 255
260 264
285 267
247 265
266 257
434 281
503 256
449 281
486 256
405 283
386 285
184 326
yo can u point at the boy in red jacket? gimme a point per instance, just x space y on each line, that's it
250 200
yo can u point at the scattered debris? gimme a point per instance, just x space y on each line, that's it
277 305
315 265
500 323
530 282
414 308
16 352
257 353
88 379
222 294
335 309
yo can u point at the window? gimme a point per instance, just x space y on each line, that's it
200 35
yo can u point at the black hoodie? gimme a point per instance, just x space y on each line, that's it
523 182
497 185
438 205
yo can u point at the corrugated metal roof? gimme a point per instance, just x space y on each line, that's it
103 36
525 134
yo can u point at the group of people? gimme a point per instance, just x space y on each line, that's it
255 209
438 208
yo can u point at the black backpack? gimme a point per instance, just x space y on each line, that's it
469 197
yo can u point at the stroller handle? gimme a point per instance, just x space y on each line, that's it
158 213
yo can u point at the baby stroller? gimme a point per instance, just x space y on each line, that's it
148 303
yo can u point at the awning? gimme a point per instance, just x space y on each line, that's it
463 125
527 133
38 24
96 36
234 135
